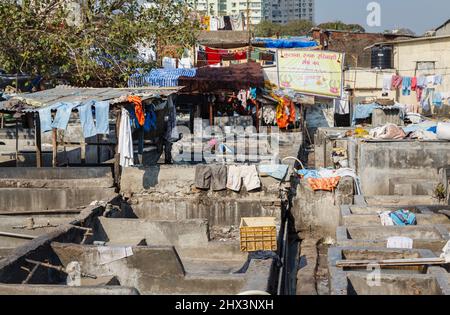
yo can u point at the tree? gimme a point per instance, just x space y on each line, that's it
341 26
297 28
267 29
39 37
293 28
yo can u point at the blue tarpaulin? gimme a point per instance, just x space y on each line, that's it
160 77
286 43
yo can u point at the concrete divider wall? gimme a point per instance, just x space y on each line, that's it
49 177
22 289
26 199
379 162
320 209
39 248
186 233
152 270
54 172
169 193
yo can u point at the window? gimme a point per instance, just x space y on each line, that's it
424 68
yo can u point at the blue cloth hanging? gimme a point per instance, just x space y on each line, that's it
86 119
45 117
150 121
63 112
102 117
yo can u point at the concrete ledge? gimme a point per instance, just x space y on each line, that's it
432 237
28 289
23 199
338 277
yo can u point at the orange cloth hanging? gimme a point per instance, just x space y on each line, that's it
283 119
138 108
328 184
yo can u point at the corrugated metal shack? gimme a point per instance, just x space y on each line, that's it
29 104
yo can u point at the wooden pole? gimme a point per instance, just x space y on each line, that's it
54 147
99 160
391 262
211 114
17 143
83 150
249 32
116 153
141 145
257 116
16 235
37 139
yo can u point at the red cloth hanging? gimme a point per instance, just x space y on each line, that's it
240 55
214 56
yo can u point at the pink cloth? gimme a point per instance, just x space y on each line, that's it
414 84
396 81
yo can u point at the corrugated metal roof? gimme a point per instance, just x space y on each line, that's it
33 101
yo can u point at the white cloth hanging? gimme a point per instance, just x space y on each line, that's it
125 140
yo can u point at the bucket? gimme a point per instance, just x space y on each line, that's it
443 131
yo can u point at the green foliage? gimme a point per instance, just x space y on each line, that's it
341 26
38 37
294 28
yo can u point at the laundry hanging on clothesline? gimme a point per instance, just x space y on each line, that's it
160 77
234 22
86 111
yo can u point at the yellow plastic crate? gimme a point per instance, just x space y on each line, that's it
258 233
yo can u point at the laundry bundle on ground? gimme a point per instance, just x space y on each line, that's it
400 217
325 178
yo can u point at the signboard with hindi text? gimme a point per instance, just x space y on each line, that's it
311 72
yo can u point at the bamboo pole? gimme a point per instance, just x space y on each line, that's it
54 147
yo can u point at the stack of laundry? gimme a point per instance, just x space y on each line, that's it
325 178
400 217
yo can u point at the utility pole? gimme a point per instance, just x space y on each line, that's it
249 33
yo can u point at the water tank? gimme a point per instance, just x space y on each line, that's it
382 57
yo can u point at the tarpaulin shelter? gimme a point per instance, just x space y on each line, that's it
210 80
32 103
232 78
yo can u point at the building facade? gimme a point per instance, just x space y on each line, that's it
277 11
285 11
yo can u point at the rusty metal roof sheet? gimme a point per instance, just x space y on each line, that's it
32 101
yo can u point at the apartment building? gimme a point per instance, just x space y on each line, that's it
285 11
277 11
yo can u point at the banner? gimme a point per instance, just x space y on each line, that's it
311 72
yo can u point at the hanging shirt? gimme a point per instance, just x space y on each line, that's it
406 86
86 119
62 116
125 148
214 23
387 83
414 83
102 117
396 81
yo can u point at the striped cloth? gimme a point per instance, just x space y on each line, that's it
159 77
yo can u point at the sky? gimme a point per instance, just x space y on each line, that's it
417 15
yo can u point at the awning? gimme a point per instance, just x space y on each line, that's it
232 78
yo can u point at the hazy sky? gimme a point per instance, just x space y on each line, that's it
417 15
